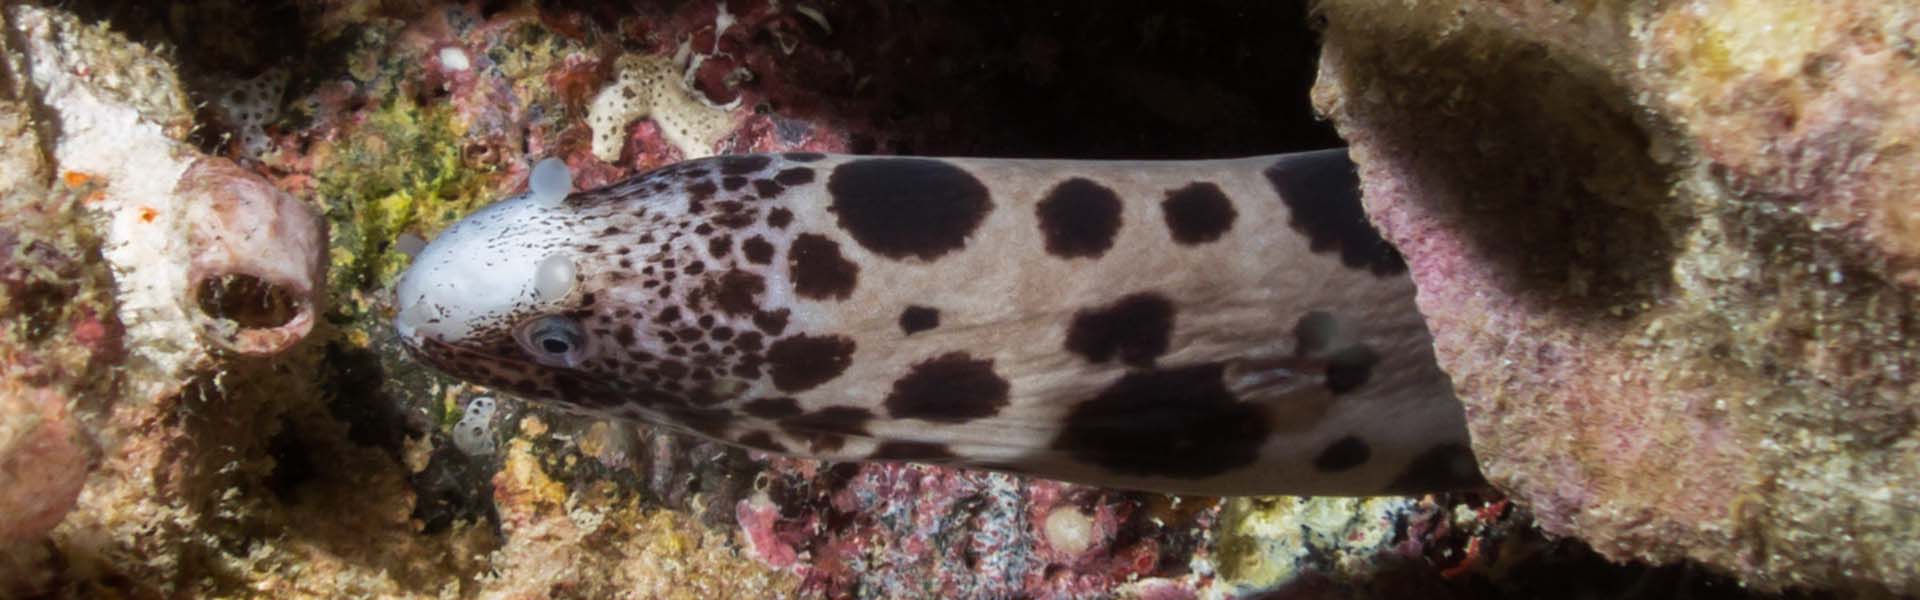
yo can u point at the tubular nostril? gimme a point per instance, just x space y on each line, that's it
413 313
410 244
550 182
554 278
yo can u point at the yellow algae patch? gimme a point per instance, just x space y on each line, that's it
598 542
400 171
1264 541
1760 36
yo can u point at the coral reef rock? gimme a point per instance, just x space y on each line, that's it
208 256
1667 250
42 463
131 266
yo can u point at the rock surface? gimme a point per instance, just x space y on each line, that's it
1668 254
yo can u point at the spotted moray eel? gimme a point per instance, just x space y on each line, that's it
1218 327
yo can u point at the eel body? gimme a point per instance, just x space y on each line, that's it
1219 327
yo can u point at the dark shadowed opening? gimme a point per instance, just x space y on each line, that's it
247 300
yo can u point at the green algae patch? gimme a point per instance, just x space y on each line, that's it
401 171
527 54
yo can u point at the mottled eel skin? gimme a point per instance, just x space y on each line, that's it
1219 327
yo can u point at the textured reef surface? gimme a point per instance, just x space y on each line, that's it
188 410
1673 280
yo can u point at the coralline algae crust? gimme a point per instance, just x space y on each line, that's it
1666 253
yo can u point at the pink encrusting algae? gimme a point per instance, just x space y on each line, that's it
1674 287
911 531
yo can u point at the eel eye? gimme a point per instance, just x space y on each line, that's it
554 340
